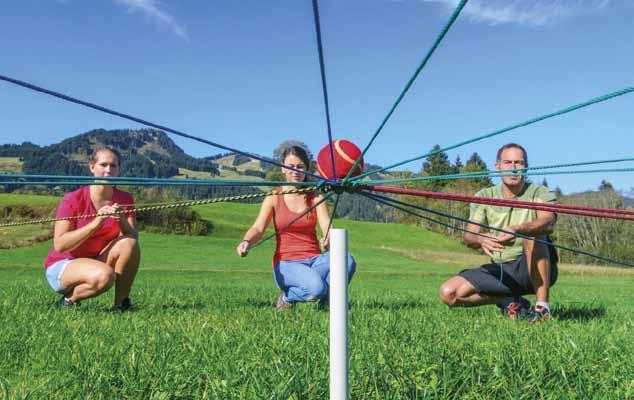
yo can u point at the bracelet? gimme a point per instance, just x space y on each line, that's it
246 240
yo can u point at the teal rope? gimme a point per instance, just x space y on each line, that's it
504 130
439 39
82 179
492 174
485 173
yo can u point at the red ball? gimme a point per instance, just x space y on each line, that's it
346 154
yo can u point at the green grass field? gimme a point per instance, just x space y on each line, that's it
205 327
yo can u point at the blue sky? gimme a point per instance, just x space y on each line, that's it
245 74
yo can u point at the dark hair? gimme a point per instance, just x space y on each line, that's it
99 149
300 152
511 146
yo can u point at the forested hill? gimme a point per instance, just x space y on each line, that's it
146 153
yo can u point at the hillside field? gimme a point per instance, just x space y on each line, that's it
205 326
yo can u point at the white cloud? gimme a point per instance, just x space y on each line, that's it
151 9
524 12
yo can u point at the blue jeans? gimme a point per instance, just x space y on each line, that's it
309 279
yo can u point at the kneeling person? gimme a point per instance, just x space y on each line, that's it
518 267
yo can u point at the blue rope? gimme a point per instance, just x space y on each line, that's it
147 123
322 68
504 130
396 204
439 39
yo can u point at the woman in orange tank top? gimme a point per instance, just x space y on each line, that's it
301 270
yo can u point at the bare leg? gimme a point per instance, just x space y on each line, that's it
123 255
84 278
538 262
458 292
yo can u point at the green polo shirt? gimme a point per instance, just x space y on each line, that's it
501 217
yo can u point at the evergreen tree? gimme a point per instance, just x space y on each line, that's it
476 164
457 165
605 186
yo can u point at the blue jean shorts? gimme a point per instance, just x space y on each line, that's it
54 274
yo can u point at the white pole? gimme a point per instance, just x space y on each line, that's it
338 314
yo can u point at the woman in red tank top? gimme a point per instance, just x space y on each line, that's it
91 255
302 271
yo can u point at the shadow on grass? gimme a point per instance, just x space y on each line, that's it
580 313
260 303
393 305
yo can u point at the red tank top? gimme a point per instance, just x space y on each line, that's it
299 240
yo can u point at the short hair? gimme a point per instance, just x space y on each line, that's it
99 149
511 146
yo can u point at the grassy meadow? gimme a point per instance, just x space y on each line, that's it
205 327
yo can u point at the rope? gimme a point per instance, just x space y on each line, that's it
504 130
110 180
322 68
422 65
163 206
332 216
146 123
556 208
493 174
393 203
311 208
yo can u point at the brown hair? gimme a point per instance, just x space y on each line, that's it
302 154
99 149
512 146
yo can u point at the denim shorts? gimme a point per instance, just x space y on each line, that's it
54 274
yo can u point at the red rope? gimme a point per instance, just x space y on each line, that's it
572 209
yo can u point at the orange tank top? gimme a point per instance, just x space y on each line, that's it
299 240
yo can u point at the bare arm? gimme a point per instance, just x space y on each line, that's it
254 234
67 239
476 240
544 224
127 224
324 220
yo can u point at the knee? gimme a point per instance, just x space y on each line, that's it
447 294
103 278
128 244
315 289
536 250
352 265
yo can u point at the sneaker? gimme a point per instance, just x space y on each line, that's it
539 314
282 304
66 303
518 308
126 305
324 303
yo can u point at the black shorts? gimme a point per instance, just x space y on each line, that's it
515 280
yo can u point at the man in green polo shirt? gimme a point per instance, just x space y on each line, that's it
518 267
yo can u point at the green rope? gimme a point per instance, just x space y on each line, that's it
440 37
492 174
504 130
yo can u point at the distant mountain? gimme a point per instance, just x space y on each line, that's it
145 153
